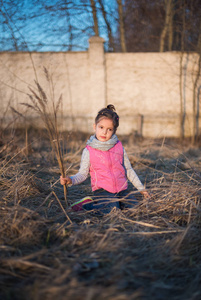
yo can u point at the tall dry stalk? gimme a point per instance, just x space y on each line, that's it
48 114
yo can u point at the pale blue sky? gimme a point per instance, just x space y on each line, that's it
36 29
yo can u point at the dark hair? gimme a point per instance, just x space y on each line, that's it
109 113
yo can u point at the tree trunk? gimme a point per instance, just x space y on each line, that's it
195 91
182 75
70 30
121 24
93 6
110 36
168 11
170 30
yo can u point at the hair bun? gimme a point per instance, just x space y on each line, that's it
111 107
108 113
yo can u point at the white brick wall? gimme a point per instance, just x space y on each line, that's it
146 84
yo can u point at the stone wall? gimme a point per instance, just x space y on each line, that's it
146 88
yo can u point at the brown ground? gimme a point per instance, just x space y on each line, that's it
48 252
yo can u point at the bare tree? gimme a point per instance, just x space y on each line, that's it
9 18
196 89
131 25
69 25
170 29
167 25
93 6
121 25
108 25
182 76
142 23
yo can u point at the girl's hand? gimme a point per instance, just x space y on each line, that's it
145 194
65 180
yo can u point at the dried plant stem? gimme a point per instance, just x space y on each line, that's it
62 207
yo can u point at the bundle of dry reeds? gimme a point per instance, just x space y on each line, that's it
47 109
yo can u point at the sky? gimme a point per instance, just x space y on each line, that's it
48 26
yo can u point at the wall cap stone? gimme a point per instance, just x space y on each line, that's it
96 39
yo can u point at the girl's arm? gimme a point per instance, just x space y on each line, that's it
131 175
82 173
84 168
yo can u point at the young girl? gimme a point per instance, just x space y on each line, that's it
107 162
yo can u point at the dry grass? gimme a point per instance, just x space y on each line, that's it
150 252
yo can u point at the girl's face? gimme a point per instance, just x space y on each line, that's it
104 129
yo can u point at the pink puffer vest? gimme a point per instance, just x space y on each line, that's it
107 170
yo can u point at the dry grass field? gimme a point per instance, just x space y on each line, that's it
49 252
